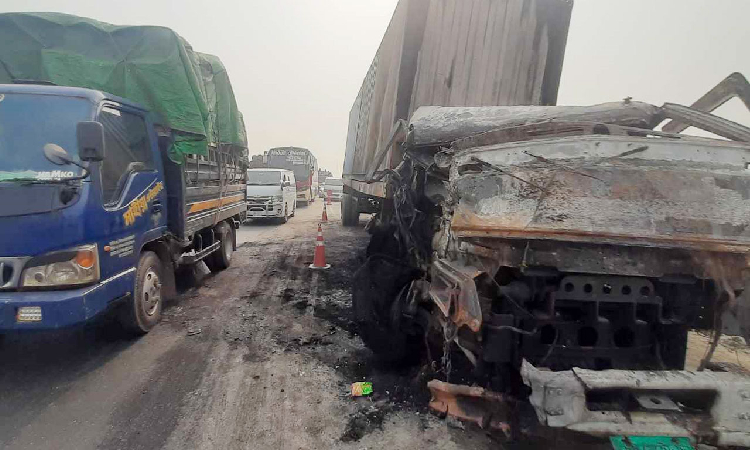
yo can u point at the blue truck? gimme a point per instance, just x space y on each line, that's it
103 198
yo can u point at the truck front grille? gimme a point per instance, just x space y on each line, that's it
259 200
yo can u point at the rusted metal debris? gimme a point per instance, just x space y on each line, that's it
714 407
472 404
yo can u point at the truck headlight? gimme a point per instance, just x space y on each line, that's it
278 198
79 265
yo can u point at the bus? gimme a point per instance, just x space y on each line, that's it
302 162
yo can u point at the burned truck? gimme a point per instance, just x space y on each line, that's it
566 252
562 254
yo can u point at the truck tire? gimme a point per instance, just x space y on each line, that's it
143 311
285 218
222 257
375 296
349 211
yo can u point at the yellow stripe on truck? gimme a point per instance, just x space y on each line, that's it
216 203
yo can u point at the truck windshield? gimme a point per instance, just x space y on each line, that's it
298 161
27 123
263 178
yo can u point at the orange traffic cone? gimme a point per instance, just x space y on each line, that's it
324 219
320 252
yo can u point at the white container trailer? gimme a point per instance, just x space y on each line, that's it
449 53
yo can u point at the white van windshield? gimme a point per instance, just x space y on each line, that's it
263 178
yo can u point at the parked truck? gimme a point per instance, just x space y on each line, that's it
563 253
122 158
303 163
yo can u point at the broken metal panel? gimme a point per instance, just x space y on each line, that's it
556 129
607 189
540 130
454 291
602 259
435 125
375 189
713 124
471 403
735 85
713 407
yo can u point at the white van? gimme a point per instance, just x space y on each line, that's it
271 193
336 186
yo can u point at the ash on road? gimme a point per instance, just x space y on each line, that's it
260 356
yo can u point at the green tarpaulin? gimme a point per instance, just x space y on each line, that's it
149 65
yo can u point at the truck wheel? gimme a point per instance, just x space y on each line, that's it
285 219
143 311
349 211
222 257
375 303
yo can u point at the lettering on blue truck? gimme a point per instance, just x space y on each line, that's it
122 247
140 204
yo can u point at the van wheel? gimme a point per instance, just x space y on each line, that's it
143 311
285 219
222 257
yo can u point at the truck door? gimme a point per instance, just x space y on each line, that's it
132 187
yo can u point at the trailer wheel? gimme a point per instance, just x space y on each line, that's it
143 311
349 211
222 257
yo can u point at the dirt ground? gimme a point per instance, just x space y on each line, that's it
260 356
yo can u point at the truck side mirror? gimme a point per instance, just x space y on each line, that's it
90 141
286 184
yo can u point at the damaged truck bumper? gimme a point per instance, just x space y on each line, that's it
711 407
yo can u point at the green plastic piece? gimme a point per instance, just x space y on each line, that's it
650 443
366 388
149 65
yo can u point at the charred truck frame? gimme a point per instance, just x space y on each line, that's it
565 252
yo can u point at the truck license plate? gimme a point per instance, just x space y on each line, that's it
650 443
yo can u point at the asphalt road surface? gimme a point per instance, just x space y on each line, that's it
260 356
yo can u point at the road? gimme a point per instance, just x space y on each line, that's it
260 356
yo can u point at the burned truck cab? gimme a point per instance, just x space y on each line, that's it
566 252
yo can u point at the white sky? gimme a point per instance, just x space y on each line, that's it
296 65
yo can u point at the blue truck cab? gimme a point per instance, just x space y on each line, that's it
95 216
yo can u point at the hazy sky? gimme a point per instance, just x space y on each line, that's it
296 65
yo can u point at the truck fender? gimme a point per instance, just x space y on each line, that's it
162 251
